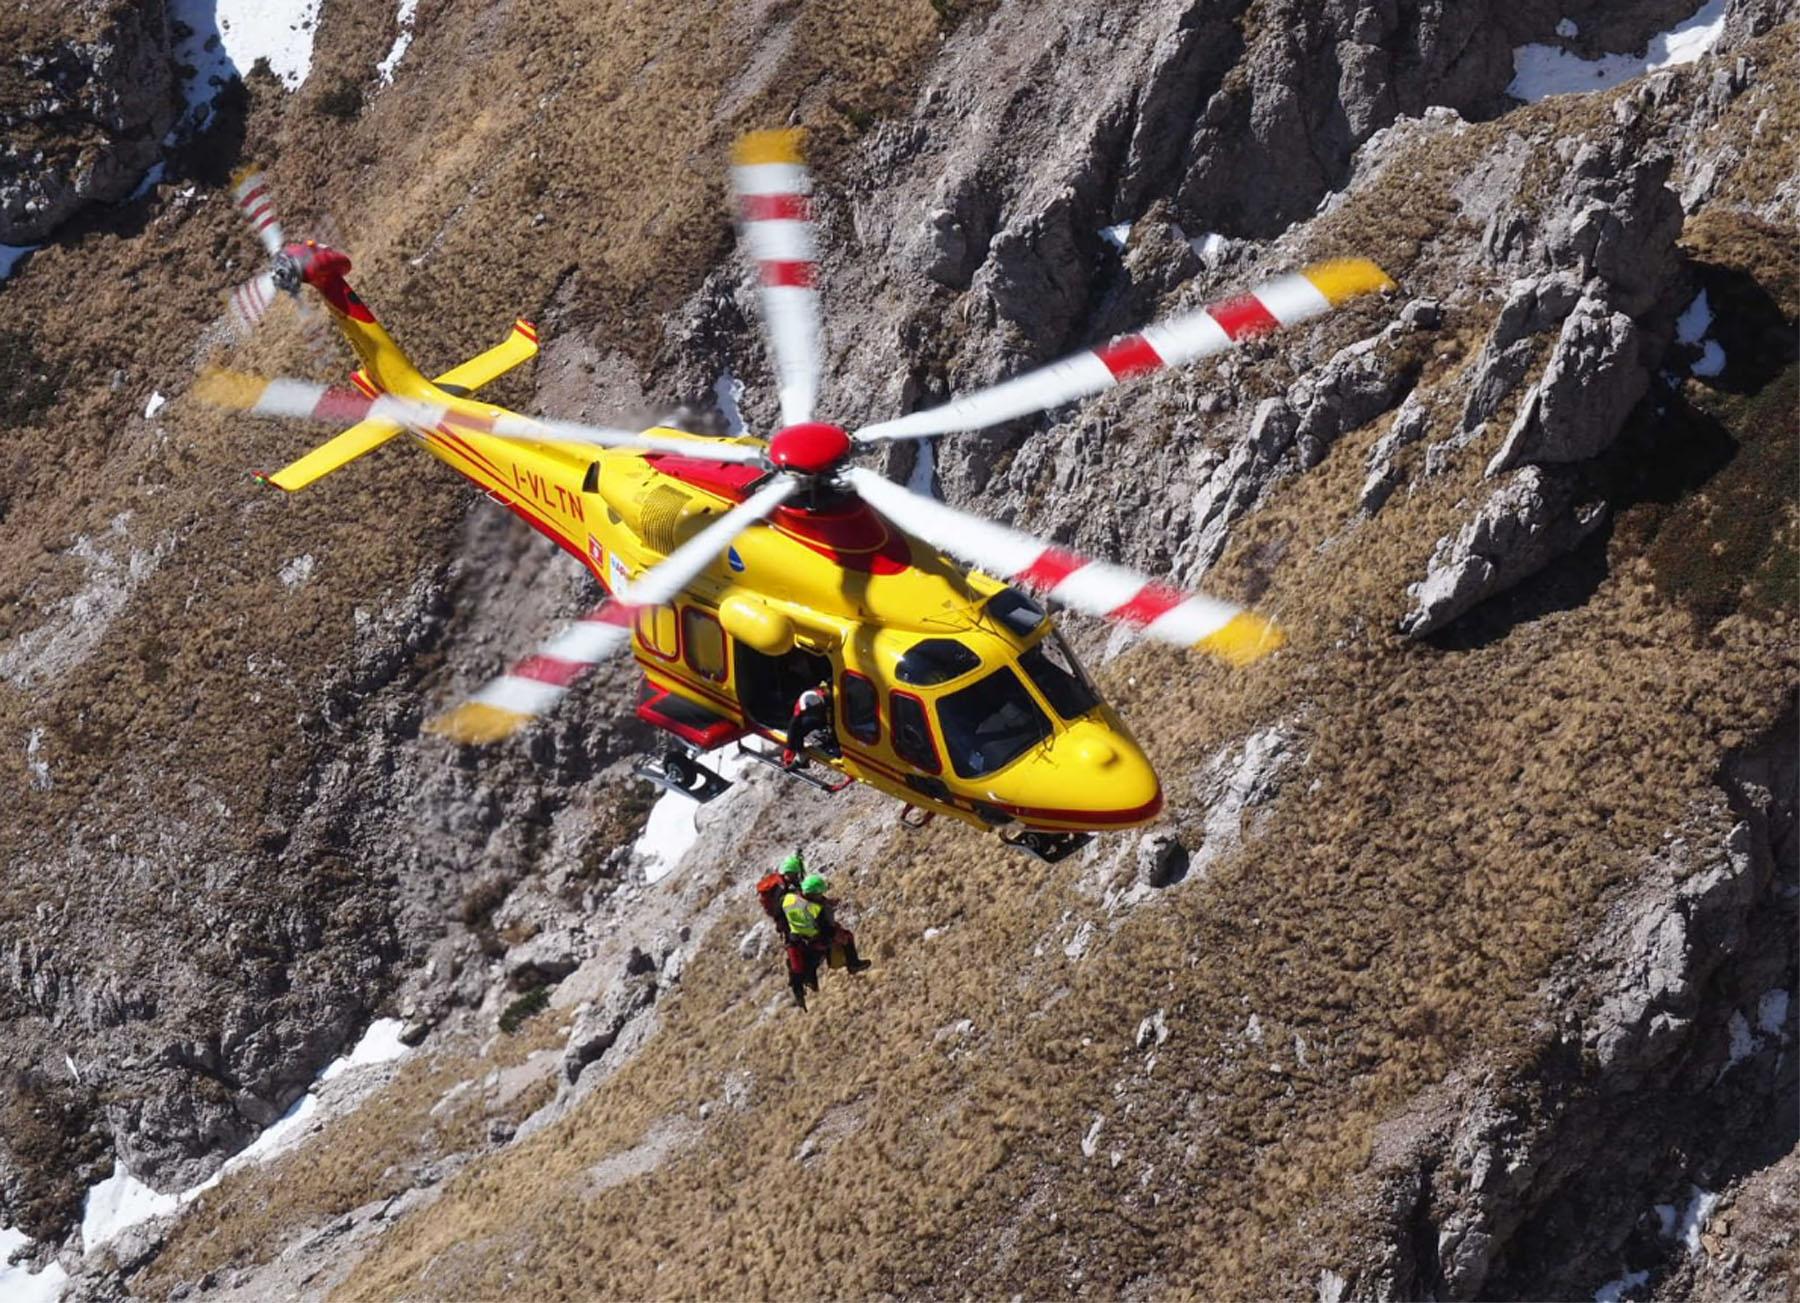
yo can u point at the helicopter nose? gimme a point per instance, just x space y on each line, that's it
1110 777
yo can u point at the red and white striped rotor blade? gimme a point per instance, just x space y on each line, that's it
332 405
774 206
1092 587
532 687
251 192
251 301
1285 301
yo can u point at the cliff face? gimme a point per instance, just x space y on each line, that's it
1455 954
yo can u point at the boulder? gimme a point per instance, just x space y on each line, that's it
598 1025
1529 520
1592 381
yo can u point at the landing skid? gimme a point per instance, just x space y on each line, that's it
681 772
773 760
1050 847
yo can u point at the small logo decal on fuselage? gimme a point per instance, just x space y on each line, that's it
733 560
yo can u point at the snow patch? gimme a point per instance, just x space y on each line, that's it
226 38
152 179
404 20
1540 71
22 1285
1743 1045
1695 320
1771 1012
1614 1290
673 826
1209 246
1567 29
11 255
1694 1215
155 405
1116 235
728 391
380 1044
118 1203
1690 329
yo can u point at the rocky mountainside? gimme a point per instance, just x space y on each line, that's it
1462 960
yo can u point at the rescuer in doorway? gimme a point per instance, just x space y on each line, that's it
813 935
810 723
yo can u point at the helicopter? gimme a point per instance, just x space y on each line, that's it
740 571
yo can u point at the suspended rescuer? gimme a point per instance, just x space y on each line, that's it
805 919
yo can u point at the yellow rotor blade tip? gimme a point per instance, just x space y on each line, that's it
475 722
1245 639
1345 278
781 146
232 389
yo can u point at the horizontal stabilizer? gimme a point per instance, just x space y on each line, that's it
347 447
484 369
521 345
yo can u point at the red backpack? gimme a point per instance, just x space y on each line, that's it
770 888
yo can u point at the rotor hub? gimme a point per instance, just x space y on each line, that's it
811 448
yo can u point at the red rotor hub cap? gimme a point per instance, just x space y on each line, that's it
812 448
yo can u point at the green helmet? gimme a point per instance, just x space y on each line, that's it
793 864
813 884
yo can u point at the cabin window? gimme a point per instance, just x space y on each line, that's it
1016 611
1053 667
990 723
705 642
912 732
656 631
936 660
862 713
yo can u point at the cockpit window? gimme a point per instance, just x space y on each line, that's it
1016 611
990 723
936 660
1053 667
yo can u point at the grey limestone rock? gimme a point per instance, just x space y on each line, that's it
1592 381
598 1025
1530 519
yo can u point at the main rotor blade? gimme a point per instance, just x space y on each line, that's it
328 405
1092 587
1286 301
251 192
534 685
774 204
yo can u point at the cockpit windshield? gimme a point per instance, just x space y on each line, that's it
1058 675
990 723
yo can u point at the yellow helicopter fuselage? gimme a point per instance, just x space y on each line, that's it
952 691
